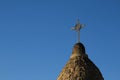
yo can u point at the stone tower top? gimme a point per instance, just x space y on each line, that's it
80 67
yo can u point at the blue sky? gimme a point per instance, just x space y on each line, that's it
36 40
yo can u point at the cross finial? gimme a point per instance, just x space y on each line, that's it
77 28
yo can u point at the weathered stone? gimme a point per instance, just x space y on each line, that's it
80 67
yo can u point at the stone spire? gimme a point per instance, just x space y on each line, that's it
79 66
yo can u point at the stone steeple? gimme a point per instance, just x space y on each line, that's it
79 66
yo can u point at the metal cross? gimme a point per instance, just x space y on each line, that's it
77 28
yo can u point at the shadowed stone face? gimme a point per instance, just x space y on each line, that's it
78 50
80 67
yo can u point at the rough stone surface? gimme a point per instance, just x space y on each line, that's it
80 67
